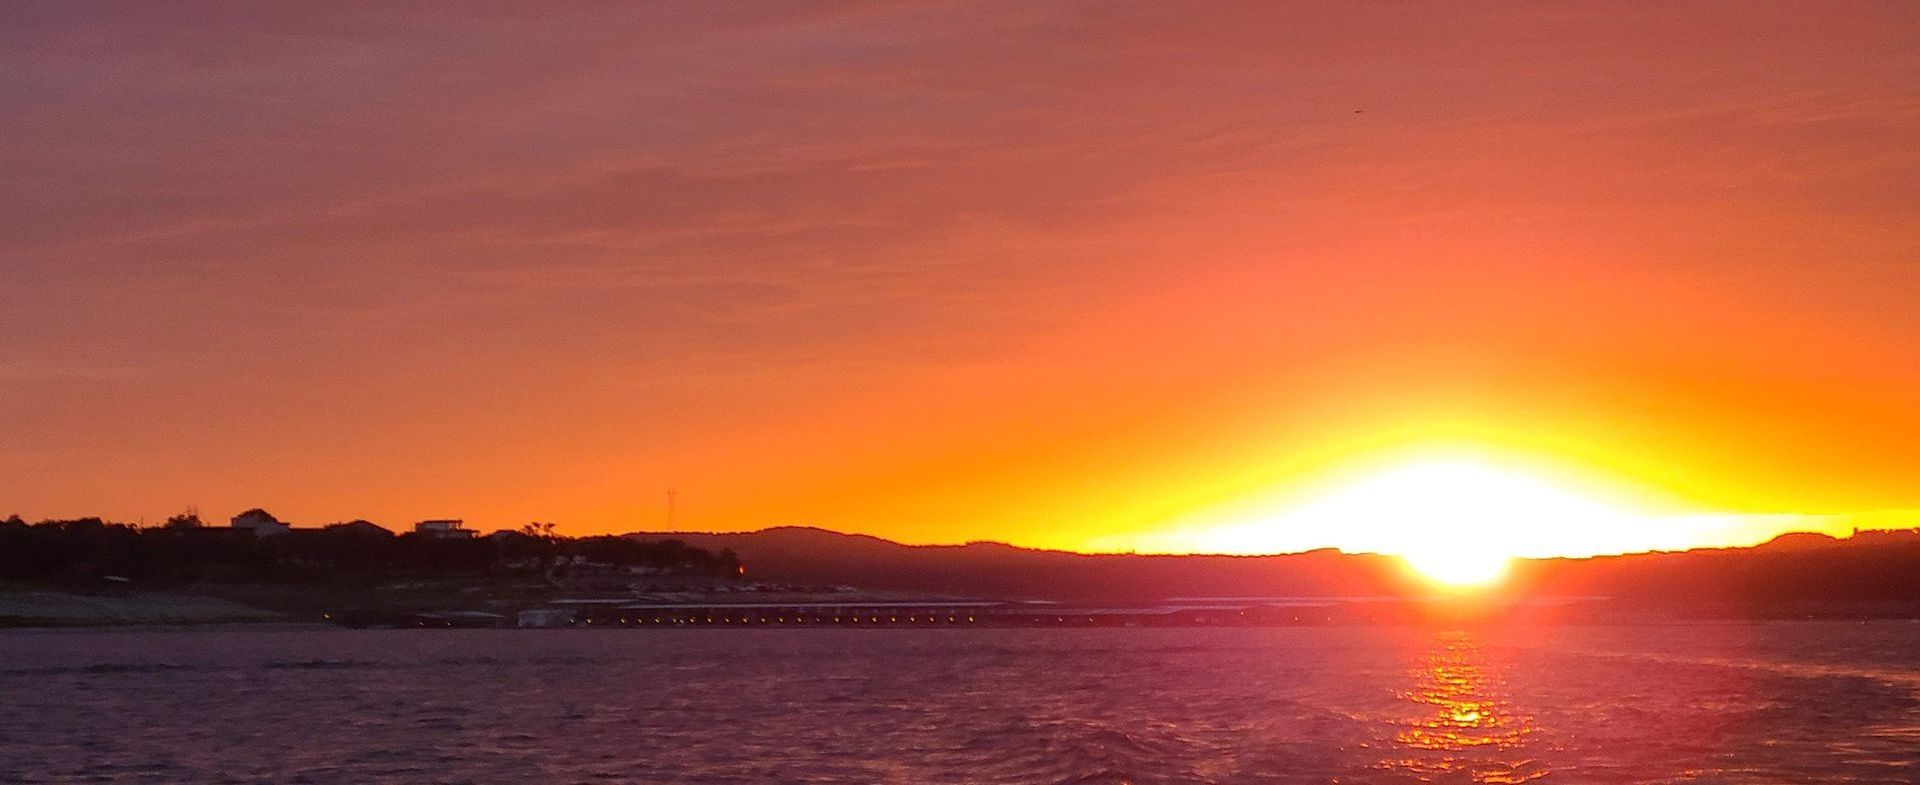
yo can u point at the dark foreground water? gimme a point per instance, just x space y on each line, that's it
1736 703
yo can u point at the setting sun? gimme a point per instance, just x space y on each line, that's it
1460 521
1458 517
1470 565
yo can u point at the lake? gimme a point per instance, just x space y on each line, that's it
1808 702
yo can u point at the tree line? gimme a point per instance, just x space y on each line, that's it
184 551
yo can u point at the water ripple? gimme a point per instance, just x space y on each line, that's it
1714 703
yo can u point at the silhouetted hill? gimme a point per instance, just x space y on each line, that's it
1803 541
1879 567
813 556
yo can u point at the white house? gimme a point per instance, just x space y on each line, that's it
260 522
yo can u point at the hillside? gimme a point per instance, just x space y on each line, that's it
1877 567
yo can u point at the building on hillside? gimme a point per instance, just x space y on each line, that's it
260 522
447 529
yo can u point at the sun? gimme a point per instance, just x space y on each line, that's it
1458 519
1459 516
1460 522
1463 567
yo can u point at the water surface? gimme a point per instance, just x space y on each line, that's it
1726 703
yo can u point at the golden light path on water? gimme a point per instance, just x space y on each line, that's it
1467 730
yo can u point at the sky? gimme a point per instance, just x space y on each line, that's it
1086 276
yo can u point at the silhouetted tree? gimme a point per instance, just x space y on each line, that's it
180 552
186 520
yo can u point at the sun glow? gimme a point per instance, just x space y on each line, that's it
1460 518
1460 522
1465 566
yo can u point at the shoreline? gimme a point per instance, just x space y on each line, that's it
37 608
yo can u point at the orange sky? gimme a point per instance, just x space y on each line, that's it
1057 276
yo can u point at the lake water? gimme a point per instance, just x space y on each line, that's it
1732 703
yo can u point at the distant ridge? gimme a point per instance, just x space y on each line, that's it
808 555
1803 541
1876 567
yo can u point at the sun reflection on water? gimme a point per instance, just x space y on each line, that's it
1466 730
